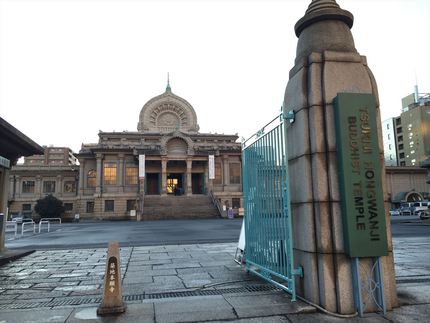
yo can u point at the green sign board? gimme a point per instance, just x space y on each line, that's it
4 162
360 175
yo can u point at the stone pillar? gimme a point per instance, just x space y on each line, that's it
99 174
18 186
121 173
59 184
226 170
38 186
141 195
189 189
4 183
4 195
163 175
208 183
141 189
81 177
326 63
12 187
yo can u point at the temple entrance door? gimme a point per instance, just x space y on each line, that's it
198 183
152 184
175 183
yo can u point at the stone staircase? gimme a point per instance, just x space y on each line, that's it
178 207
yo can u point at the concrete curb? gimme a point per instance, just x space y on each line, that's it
8 256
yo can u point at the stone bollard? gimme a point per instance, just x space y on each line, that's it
112 302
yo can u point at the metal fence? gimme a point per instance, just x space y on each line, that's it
11 225
268 232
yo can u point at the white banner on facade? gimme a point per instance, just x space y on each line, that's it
141 166
211 167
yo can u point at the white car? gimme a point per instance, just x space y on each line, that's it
17 219
424 215
394 212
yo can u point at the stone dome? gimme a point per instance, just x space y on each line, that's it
167 113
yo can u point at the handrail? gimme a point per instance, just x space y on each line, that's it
24 223
216 203
53 219
43 222
14 225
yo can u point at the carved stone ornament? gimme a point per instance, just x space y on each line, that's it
168 120
166 113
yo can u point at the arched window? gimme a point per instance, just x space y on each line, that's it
91 178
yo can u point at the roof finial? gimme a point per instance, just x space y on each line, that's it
320 10
168 89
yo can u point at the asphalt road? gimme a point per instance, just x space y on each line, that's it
97 234
416 228
128 233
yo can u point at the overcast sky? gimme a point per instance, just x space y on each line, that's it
71 68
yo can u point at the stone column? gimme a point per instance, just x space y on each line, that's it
12 187
121 173
208 183
99 174
38 186
18 186
60 180
59 184
326 63
4 183
163 175
81 177
226 171
189 189
141 195
5 193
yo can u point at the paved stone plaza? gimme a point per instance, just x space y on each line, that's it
174 283
181 283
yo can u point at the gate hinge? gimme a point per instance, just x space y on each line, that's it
298 271
290 115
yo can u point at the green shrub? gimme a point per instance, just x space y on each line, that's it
49 207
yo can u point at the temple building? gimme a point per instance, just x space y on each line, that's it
165 169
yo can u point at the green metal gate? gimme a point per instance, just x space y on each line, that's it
268 231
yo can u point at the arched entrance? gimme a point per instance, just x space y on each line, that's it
176 177
176 166
413 197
